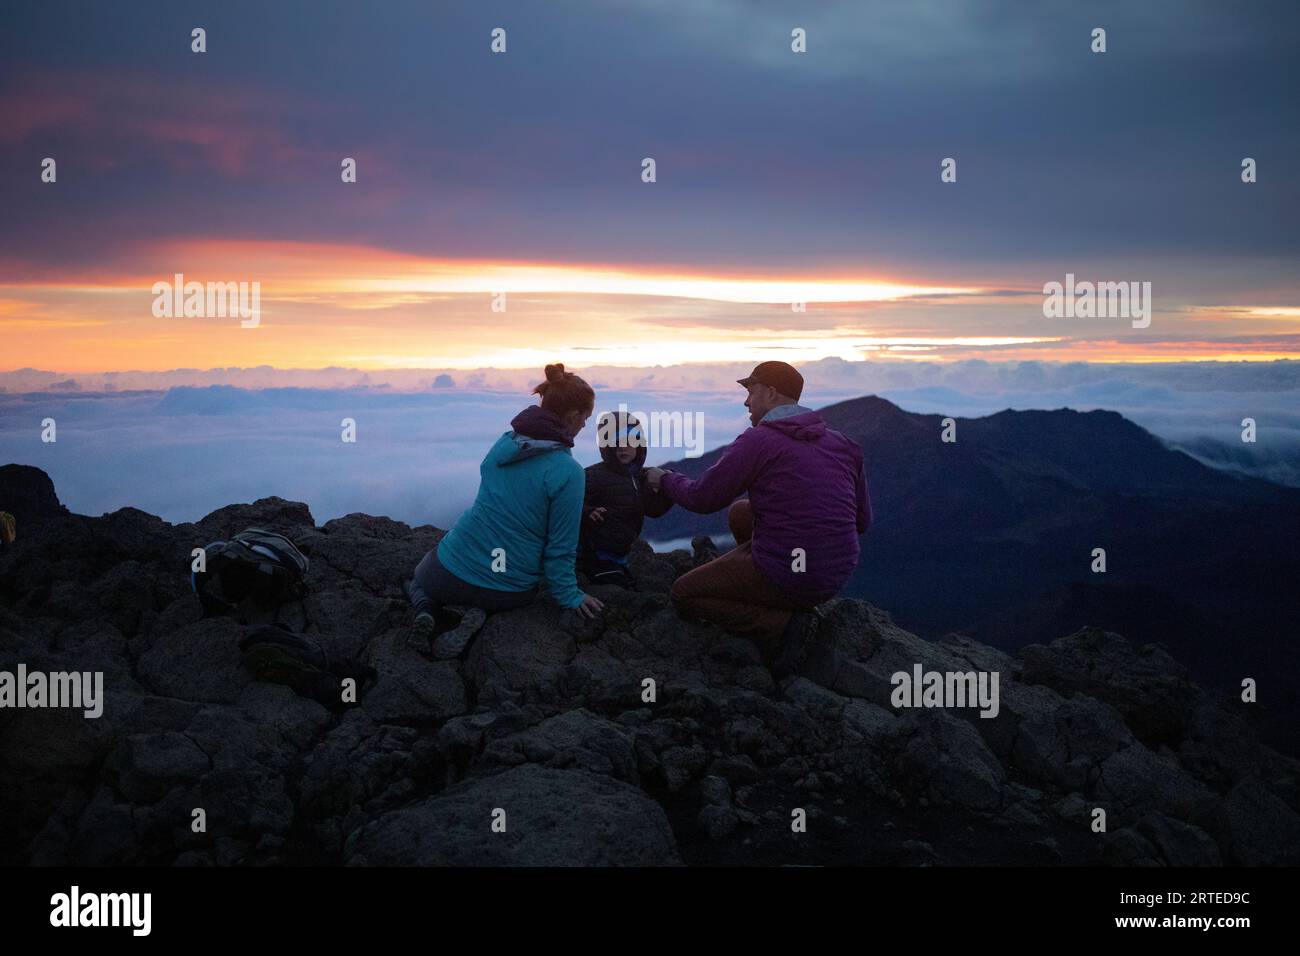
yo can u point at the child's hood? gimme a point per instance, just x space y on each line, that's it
608 440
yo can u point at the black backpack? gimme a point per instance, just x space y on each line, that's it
255 564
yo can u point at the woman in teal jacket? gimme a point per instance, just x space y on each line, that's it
523 526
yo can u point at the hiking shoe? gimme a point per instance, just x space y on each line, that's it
451 643
423 630
796 637
615 576
427 626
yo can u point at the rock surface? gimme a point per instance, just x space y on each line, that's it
636 739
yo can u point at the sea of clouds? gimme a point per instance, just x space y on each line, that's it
181 444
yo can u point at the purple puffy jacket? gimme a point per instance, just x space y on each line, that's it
807 490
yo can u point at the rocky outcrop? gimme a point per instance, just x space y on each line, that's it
635 739
28 494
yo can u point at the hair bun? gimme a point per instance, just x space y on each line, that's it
565 392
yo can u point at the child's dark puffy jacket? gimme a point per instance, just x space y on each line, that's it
626 497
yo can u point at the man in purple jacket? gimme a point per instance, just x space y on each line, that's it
796 536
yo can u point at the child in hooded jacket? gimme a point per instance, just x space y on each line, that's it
616 501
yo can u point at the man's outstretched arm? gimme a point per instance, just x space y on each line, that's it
722 484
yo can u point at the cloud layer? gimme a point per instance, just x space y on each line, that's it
187 447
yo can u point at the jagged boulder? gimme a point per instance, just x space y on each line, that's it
28 494
1158 840
520 654
411 689
574 738
1148 687
273 514
945 761
1258 826
198 662
543 817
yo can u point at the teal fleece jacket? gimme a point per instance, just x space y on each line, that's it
529 505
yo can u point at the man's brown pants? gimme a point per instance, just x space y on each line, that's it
730 591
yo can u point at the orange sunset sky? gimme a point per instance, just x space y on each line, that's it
364 308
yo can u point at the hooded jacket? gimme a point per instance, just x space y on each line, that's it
807 490
620 490
529 506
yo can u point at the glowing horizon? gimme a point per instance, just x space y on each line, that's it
328 305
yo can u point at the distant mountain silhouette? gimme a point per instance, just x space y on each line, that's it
992 535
